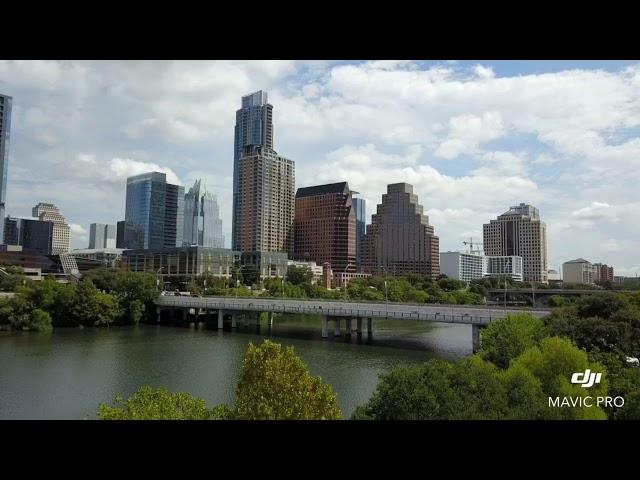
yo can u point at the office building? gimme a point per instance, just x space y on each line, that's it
399 240
154 216
107 256
29 233
254 128
202 223
504 265
578 271
120 234
553 276
603 273
5 133
265 204
519 232
102 236
462 266
325 226
268 264
48 212
360 205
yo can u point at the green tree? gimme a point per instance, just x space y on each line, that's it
275 384
601 305
159 404
299 275
504 340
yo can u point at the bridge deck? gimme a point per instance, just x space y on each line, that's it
432 313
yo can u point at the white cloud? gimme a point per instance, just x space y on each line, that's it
121 168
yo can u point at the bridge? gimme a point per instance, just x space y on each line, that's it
337 311
536 295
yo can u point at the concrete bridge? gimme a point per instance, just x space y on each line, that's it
337 311
536 296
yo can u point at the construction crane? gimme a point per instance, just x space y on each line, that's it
471 244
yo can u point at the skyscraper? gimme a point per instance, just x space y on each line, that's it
254 128
120 234
266 202
154 214
202 223
520 232
29 233
360 205
5 130
48 212
325 226
399 239
102 236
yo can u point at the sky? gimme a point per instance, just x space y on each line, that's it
472 137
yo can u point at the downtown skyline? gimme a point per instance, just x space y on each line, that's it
472 137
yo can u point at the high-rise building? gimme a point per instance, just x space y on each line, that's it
29 233
154 215
48 212
254 128
503 266
102 236
519 232
202 223
360 205
399 239
120 234
603 273
578 271
462 266
325 226
266 202
5 130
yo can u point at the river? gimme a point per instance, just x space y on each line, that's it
68 373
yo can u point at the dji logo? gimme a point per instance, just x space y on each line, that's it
587 379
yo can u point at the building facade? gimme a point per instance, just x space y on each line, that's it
519 232
254 128
5 132
102 236
462 266
399 240
325 226
578 271
268 264
603 273
120 234
504 265
265 204
154 216
202 223
29 233
360 205
315 269
107 256
48 212
189 261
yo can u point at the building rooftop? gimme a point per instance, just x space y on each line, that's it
578 260
341 187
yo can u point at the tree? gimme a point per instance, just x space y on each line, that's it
451 284
275 384
299 275
250 275
504 340
160 404
601 305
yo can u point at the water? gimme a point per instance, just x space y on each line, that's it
68 373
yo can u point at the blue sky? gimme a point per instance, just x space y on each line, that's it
473 137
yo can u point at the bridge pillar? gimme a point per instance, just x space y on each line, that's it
359 326
158 314
220 319
336 329
370 327
234 320
271 319
348 327
475 337
325 327
185 312
258 319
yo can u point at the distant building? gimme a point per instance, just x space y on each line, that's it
360 206
63 268
462 266
553 276
325 226
603 273
5 133
48 212
120 234
504 265
269 264
202 223
520 232
578 271
102 236
313 267
399 239
29 233
342 279
109 257
182 261
154 216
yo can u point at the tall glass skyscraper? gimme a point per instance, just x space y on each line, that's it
154 214
254 128
5 130
359 205
202 223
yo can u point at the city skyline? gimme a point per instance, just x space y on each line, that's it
559 146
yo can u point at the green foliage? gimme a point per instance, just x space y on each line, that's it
160 404
601 305
504 340
249 275
556 301
275 384
299 275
